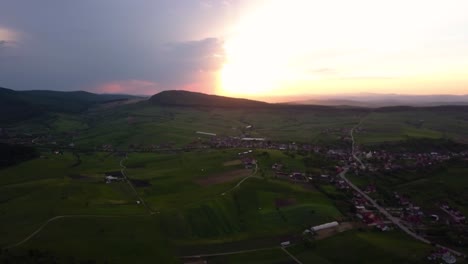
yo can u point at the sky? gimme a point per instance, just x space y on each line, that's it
241 48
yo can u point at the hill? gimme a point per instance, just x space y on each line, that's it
21 105
186 98
385 100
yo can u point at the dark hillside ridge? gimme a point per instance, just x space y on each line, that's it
182 98
14 154
21 105
14 108
186 98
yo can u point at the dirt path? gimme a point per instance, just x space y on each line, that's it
227 176
243 180
291 255
52 220
122 170
228 253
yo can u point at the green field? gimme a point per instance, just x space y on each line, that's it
184 203
364 247
184 213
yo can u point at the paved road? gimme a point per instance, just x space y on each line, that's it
394 220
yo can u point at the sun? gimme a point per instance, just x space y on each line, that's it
263 50
244 79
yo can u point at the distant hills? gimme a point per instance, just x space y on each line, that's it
186 98
385 100
20 105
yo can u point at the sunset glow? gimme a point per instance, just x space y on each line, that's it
317 47
241 48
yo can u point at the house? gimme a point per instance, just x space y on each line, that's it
444 255
277 166
324 226
285 243
110 178
249 163
297 176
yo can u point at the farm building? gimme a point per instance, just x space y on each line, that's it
110 178
253 139
324 226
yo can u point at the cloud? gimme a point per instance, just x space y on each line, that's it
323 71
209 4
139 87
3 44
367 77
163 42
206 54
190 63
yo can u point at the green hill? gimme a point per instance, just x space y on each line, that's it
186 98
22 105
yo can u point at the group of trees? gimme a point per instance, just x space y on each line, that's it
13 154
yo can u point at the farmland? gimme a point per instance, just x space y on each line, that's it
187 213
137 179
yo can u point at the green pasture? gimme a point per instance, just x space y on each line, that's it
364 247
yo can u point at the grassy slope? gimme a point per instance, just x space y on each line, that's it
190 216
365 247
399 125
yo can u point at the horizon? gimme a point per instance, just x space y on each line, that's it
360 97
260 50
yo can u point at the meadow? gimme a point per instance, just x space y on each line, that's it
181 215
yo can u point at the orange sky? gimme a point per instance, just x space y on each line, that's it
285 48
240 48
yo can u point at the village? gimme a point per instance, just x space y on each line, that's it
406 212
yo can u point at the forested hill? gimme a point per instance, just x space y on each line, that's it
20 105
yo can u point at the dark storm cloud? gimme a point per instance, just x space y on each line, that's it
71 45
